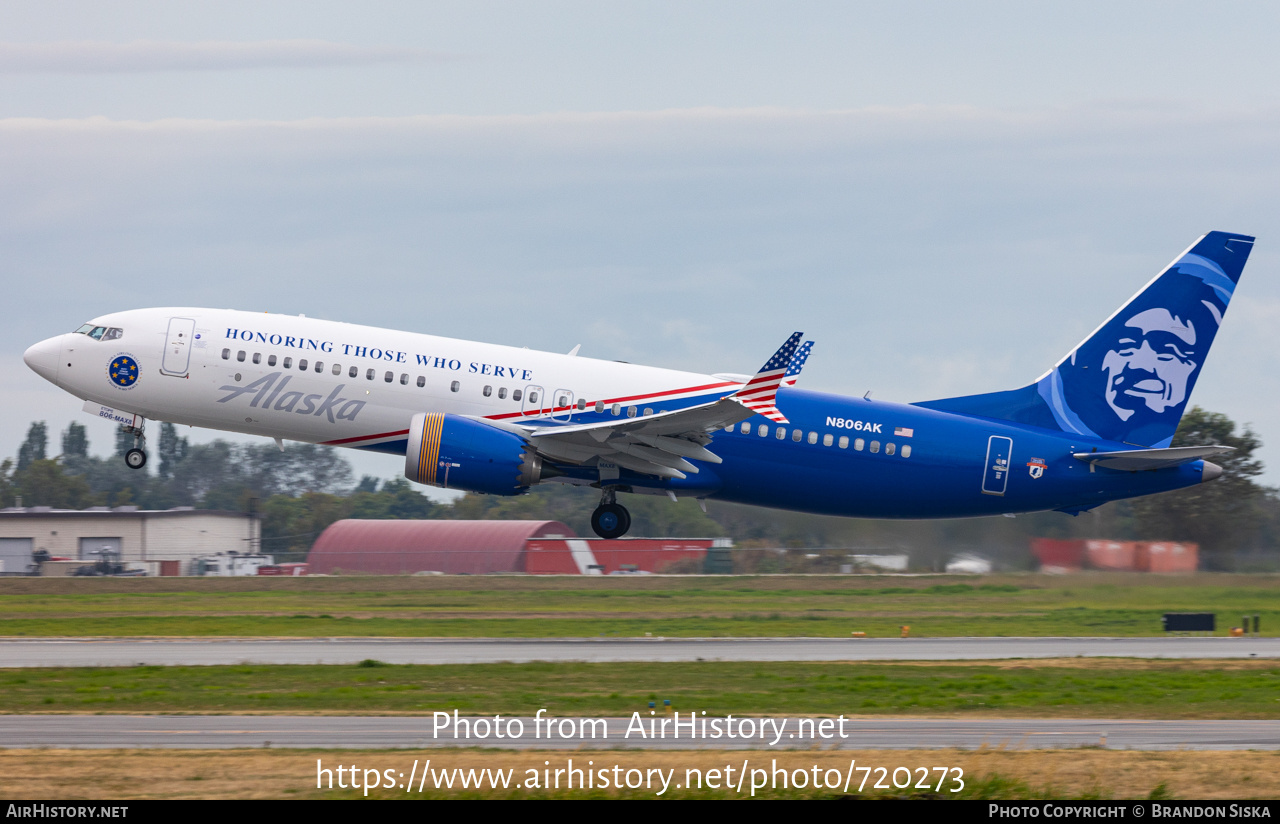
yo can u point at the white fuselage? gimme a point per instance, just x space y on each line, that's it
318 381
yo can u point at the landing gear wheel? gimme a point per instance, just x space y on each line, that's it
135 459
611 520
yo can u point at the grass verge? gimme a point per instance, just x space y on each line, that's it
1066 688
988 774
533 606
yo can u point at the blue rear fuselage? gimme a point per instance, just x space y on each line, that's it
947 466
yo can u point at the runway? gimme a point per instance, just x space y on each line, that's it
400 732
100 652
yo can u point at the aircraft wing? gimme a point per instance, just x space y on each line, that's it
1136 460
661 444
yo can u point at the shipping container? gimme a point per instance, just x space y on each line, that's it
1168 556
1112 555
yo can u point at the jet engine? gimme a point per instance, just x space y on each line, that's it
454 452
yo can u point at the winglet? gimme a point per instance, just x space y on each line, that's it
759 393
797 363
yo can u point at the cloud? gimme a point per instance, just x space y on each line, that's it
929 250
95 57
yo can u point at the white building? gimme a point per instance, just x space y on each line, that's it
180 535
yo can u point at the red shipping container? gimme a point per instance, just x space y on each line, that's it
1113 555
1168 556
1057 555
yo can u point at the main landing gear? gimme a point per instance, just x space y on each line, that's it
136 458
610 519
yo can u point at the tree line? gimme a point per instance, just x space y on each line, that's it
301 489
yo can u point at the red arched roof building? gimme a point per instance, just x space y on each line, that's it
451 547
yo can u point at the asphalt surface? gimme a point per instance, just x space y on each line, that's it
219 732
93 652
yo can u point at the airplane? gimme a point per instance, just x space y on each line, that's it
1096 427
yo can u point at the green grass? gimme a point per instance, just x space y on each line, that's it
1083 688
1011 605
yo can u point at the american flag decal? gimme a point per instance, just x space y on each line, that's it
797 363
760 393
903 432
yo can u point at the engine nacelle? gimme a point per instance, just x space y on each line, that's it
454 452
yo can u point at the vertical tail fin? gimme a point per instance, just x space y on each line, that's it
1131 379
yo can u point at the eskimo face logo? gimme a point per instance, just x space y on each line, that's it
123 371
1151 364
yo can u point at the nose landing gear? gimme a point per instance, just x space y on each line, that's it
136 458
610 519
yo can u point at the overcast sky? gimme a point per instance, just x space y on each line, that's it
946 197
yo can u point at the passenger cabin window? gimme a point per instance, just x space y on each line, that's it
582 404
319 367
858 445
502 393
764 430
369 375
226 354
404 378
631 411
257 357
616 409
797 435
906 450
271 360
337 370
599 407
746 428
890 448
353 372
563 400
487 391
302 364
781 434
813 437
515 395
288 362
240 356
455 386
422 381
389 377
875 446
844 442
648 410
533 397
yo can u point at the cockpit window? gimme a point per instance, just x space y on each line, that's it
113 333
97 332
84 330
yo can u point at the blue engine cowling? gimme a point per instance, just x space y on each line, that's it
454 452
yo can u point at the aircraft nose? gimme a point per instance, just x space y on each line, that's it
43 358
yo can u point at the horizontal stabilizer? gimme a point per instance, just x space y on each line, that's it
1137 460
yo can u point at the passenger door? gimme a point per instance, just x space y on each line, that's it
177 347
995 477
